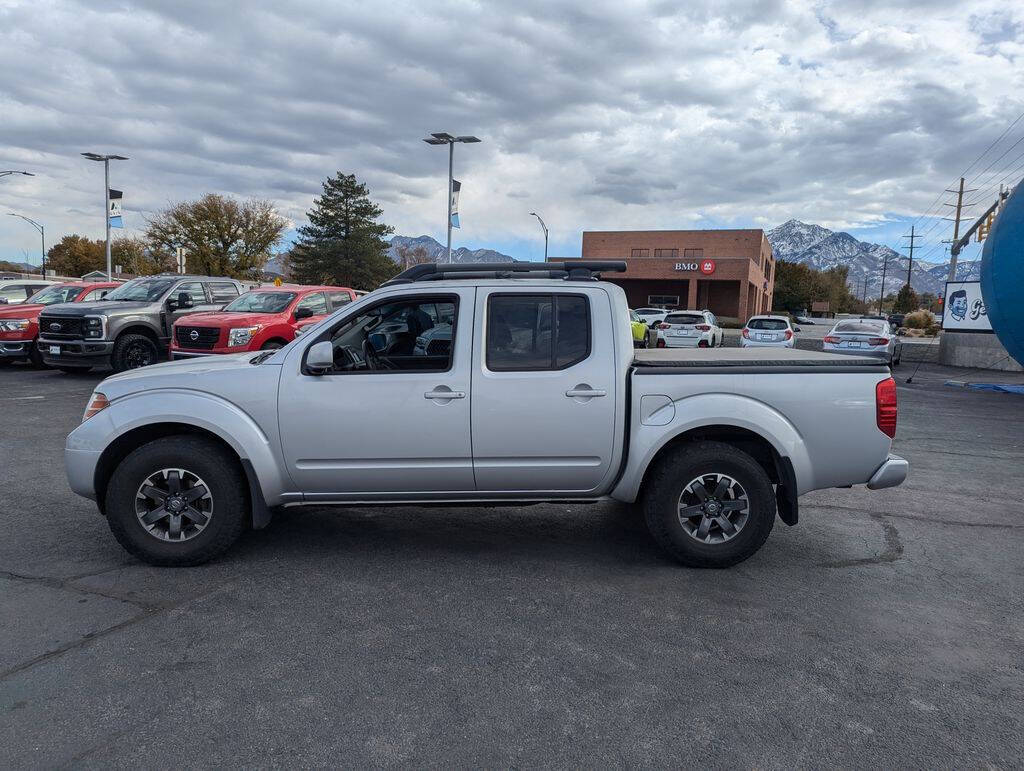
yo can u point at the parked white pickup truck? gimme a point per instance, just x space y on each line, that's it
482 384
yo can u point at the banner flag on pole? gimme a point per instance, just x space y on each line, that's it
456 187
115 209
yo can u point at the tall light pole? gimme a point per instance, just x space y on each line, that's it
8 173
442 138
42 235
106 195
545 229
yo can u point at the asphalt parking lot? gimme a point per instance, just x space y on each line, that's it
887 629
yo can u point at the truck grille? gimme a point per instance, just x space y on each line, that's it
196 337
60 327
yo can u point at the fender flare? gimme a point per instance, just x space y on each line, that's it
213 414
703 411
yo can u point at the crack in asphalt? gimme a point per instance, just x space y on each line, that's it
917 517
893 547
67 585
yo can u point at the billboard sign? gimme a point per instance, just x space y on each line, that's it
963 309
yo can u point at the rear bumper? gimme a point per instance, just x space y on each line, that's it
745 343
890 473
867 353
684 342
76 353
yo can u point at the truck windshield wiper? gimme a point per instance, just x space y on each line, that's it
259 357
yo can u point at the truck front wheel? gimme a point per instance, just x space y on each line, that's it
709 505
179 500
132 351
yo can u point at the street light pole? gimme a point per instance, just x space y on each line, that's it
444 138
42 235
545 229
106 196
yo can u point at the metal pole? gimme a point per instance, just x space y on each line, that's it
451 164
545 244
956 231
910 265
42 239
881 292
106 210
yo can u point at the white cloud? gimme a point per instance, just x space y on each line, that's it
605 114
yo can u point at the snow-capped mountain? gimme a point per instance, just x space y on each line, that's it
821 249
436 251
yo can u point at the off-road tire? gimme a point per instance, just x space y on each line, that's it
666 483
125 345
217 468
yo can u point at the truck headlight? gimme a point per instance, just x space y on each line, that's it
14 325
93 327
241 335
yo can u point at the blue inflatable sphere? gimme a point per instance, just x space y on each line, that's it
1002 275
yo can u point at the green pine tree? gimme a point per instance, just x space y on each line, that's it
343 244
906 300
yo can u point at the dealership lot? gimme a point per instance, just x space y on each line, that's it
885 629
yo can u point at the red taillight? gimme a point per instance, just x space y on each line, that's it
661 342
703 327
746 333
663 325
831 339
885 407
789 334
878 341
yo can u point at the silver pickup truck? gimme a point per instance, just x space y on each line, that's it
482 384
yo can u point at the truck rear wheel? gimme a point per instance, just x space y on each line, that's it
709 505
179 500
133 351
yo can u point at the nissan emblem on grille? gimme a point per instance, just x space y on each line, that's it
55 327
194 334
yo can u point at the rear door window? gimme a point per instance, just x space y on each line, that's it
537 332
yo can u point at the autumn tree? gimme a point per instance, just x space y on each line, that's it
220 236
76 255
343 244
136 257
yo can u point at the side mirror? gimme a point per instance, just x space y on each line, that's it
303 313
184 301
320 357
103 294
4 301
797 329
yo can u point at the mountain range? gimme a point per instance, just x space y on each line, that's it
821 249
436 251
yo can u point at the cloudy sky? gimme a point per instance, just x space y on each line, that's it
598 115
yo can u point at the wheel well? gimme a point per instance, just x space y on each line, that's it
140 329
119 449
755 445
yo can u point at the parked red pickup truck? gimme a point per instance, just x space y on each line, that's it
257 320
19 324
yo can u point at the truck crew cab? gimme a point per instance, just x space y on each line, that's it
132 326
527 389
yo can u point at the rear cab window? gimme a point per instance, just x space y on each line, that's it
862 327
773 325
527 332
686 319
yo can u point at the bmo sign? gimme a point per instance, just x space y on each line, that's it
707 267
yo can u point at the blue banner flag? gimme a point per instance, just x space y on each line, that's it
114 214
456 187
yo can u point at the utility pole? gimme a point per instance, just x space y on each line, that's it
959 205
881 292
910 265
865 300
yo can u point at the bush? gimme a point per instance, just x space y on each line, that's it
922 320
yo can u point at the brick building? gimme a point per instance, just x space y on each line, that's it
728 272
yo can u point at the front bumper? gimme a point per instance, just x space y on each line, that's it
15 349
890 473
176 353
76 353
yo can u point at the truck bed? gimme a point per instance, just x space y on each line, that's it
742 360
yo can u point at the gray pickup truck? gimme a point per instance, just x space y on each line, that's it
463 384
131 326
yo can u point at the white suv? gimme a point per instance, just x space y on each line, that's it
768 332
690 329
17 290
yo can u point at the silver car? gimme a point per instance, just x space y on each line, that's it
768 332
865 337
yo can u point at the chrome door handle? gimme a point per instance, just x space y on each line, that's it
444 394
585 393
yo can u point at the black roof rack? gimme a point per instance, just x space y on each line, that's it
576 270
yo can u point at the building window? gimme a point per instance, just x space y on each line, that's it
693 254
640 253
663 300
668 253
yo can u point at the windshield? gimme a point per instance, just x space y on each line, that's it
773 324
862 327
683 318
142 289
55 294
261 302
